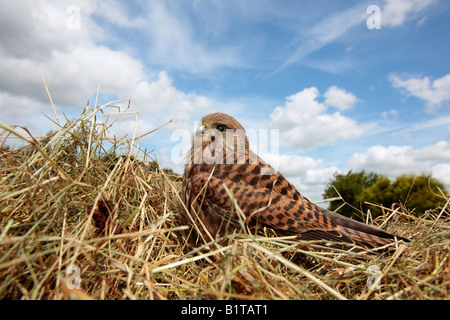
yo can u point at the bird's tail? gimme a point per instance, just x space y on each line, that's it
353 232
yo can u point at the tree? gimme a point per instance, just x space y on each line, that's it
420 193
350 186
357 189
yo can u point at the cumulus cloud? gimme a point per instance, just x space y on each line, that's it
305 122
397 160
442 172
433 92
292 165
36 42
340 98
30 109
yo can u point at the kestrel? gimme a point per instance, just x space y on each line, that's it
226 186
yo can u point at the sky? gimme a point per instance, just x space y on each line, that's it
333 85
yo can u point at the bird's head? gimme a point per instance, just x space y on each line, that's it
220 132
220 122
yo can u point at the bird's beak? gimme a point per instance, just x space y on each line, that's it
201 130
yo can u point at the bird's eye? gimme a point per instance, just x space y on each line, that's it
221 128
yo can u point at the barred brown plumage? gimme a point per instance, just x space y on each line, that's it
223 176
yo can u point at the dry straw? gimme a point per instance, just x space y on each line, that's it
51 249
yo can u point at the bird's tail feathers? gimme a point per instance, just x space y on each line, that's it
351 231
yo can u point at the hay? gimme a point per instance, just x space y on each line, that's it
50 247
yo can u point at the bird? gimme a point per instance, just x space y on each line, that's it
226 187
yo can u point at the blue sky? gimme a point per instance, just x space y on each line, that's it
341 96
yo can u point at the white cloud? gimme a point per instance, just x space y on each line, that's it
442 172
397 12
14 109
292 165
305 123
36 42
160 95
313 184
393 159
39 43
439 151
397 160
340 98
299 108
434 93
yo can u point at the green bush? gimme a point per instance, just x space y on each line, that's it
360 190
350 187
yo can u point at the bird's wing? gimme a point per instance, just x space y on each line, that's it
264 207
